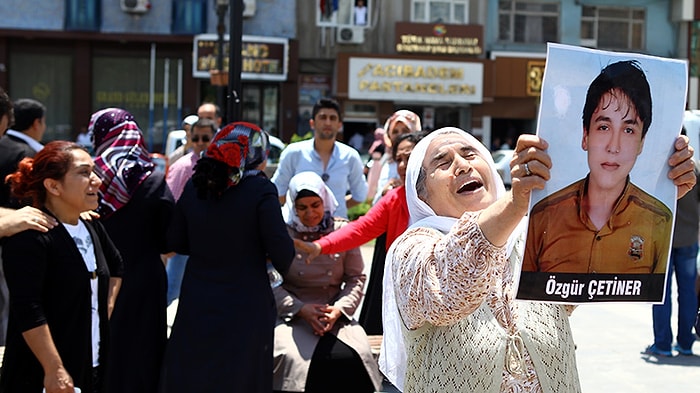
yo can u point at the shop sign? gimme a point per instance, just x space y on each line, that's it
263 58
439 39
535 72
415 80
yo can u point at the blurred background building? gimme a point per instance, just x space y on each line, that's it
475 64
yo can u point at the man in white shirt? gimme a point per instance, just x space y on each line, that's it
21 141
338 164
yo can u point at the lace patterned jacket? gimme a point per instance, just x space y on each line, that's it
463 330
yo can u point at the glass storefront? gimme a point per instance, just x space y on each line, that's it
124 82
46 78
260 105
116 82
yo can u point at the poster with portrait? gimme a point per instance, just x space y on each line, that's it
601 229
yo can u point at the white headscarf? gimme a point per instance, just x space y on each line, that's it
392 357
312 182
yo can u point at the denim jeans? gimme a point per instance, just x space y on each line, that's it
683 264
175 269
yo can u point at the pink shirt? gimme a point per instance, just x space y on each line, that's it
180 172
389 214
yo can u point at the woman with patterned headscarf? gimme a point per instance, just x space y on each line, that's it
228 220
400 122
135 208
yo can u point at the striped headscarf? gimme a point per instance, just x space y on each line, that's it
122 162
243 147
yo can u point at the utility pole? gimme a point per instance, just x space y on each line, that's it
235 64
221 8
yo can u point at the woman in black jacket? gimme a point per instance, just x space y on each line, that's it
61 293
229 221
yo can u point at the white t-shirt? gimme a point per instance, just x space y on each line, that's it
360 15
83 241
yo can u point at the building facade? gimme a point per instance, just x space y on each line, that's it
78 56
475 64
497 47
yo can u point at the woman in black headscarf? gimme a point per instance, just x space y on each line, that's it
228 220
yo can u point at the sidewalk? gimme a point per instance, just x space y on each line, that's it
610 339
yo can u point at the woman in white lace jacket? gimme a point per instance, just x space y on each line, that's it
450 320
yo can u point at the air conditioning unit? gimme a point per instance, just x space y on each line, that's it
350 35
135 6
248 8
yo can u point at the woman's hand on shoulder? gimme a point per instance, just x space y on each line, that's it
26 218
90 215
529 168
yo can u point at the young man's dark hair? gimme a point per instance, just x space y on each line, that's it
26 111
326 103
627 77
6 108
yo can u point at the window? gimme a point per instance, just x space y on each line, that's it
444 11
529 22
613 27
47 77
82 15
260 103
343 12
122 83
189 16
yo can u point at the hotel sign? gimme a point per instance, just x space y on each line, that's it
439 39
263 58
415 80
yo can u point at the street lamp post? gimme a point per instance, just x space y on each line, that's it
235 64
221 9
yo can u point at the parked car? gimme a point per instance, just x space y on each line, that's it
276 147
502 159
161 161
176 138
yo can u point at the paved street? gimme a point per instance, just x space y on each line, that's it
610 339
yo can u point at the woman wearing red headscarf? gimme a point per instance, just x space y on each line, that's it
135 208
228 220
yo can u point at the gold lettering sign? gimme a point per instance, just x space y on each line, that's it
130 98
535 73
408 87
422 80
439 39
407 71
261 57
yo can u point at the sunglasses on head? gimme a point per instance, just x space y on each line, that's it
205 138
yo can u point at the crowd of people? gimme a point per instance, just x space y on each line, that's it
95 248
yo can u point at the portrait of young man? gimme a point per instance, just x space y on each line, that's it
601 229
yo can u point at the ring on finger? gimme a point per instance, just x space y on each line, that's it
35 219
528 172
